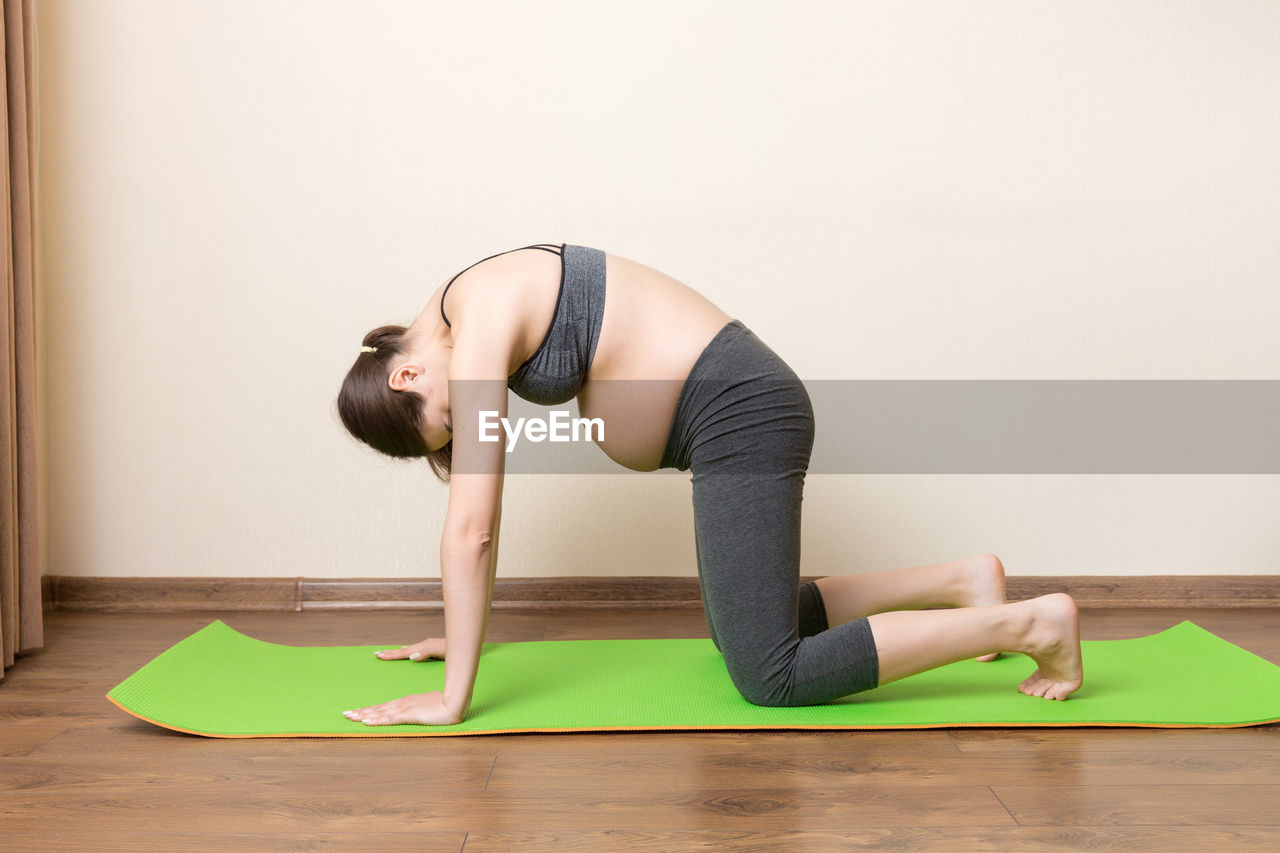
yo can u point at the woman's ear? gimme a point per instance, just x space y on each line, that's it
404 375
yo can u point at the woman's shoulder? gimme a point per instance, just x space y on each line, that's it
500 282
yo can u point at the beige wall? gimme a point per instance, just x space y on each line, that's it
231 193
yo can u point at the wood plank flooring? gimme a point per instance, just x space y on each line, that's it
78 774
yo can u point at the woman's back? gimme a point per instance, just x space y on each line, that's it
652 331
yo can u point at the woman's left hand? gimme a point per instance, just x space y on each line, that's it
424 709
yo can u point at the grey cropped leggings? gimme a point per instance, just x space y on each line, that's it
744 426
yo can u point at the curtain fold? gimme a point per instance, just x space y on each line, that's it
21 625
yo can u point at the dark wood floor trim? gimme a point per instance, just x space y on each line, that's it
193 594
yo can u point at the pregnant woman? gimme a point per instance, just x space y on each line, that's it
677 384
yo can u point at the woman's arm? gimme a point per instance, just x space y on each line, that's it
433 648
468 563
468 549
468 556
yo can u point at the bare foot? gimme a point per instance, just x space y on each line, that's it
983 576
1054 644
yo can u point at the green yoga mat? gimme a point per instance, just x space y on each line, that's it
221 683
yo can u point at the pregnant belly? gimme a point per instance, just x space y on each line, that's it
637 417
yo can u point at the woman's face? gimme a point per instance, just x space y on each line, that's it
427 374
439 423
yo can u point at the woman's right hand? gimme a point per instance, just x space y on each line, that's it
428 649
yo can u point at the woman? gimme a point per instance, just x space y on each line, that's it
678 384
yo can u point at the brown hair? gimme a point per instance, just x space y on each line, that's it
387 420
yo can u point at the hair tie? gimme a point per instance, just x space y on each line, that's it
368 349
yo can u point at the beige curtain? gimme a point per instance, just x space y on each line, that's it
20 607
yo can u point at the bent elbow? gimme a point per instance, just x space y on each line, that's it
469 537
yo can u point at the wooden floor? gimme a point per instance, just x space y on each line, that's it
78 774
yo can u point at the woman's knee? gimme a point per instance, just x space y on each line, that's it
760 687
760 693
807 674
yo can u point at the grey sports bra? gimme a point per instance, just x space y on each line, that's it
556 371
